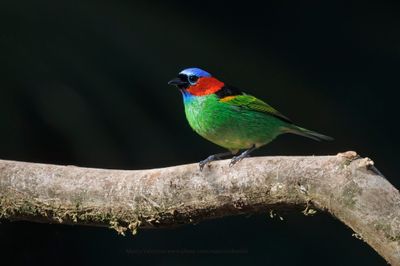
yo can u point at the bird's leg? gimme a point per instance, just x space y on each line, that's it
243 155
213 157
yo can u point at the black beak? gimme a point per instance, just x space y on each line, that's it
178 82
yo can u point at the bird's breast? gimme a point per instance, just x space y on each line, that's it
201 111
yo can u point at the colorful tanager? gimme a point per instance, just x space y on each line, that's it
231 118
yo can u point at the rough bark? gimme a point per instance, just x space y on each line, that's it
345 185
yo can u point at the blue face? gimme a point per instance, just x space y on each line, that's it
192 75
186 78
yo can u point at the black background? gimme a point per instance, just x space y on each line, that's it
84 83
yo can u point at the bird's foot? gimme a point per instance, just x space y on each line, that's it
213 157
237 159
243 155
208 160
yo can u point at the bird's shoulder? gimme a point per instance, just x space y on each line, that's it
234 96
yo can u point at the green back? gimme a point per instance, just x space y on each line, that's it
254 104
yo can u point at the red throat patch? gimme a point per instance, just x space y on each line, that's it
205 86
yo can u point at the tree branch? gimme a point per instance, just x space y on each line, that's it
345 185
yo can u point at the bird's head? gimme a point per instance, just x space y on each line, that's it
196 82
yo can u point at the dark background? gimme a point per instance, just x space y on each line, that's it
85 83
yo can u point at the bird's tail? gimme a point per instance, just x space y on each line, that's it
307 133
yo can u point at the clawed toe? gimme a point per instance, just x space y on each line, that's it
213 158
235 160
207 161
244 154
202 164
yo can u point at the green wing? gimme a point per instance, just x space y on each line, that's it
253 104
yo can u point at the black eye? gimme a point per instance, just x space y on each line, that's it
193 79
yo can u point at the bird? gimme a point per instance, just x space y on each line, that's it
231 118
